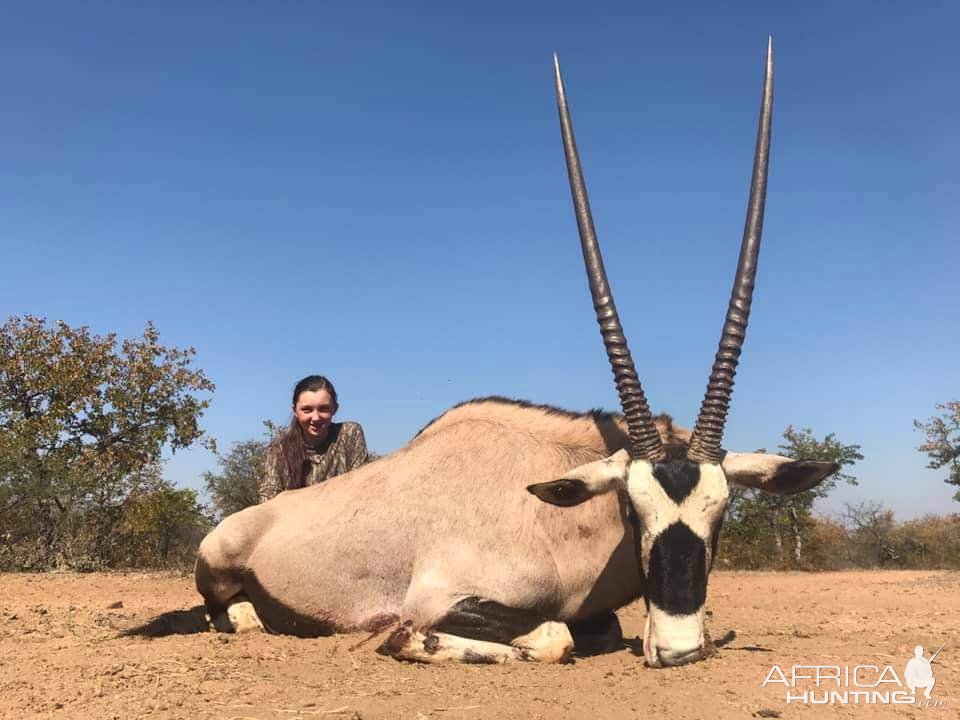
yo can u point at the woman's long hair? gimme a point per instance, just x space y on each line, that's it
294 466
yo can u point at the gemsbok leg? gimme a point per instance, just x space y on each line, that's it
228 607
482 631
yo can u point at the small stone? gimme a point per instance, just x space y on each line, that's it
767 713
115 606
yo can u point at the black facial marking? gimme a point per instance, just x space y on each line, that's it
715 541
677 581
678 478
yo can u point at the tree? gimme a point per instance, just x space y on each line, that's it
236 486
758 519
747 530
163 525
81 417
802 445
932 541
872 533
943 442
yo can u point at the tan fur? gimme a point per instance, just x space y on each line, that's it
550 642
412 534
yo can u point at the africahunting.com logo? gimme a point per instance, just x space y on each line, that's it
860 684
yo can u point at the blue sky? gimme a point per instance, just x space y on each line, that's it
377 192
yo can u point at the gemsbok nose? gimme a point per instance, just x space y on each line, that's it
672 639
674 657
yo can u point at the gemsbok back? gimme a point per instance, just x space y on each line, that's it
508 531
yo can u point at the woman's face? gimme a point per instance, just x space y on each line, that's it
314 410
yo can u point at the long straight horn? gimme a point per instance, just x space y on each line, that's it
708 432
644 438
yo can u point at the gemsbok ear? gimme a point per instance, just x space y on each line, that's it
774 473
582 483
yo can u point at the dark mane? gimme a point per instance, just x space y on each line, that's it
595 414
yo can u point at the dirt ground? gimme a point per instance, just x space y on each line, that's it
62 656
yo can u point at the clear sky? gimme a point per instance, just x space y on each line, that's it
376 192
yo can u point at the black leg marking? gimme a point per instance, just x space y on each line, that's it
431 643
482 632
474 658
597 635
479 619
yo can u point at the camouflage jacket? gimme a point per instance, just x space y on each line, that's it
344 449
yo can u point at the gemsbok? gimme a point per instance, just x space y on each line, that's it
505 530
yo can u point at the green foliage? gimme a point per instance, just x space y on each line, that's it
942 445
932 541
770 532
162 522
236 484
876 539
826 545
802 445
871 534
83 422
762 530
747 533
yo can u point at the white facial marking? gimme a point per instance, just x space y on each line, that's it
700 510
675 639
672 639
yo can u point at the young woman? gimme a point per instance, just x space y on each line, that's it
313 448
